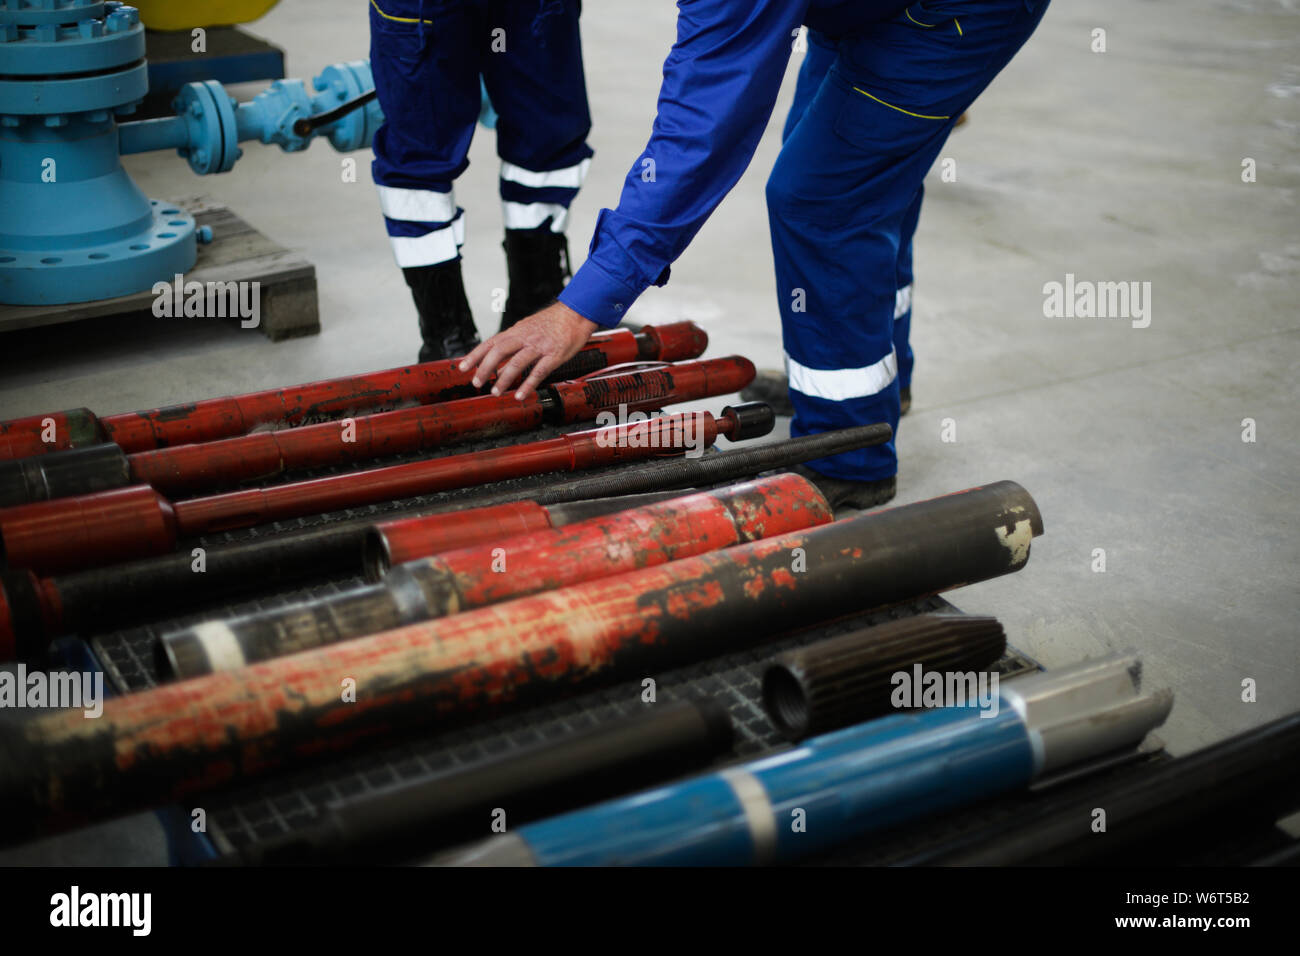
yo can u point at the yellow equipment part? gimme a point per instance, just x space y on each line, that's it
170 15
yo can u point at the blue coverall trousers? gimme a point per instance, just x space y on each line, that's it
427 57
871 113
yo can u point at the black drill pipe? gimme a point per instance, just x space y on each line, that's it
1253 775
34 611
76 471
403 821
845 680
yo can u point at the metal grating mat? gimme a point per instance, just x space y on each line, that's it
128 655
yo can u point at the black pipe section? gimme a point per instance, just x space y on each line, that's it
849 679
101 599
76 471
1253 776
403 822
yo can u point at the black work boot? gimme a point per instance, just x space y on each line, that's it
446 322
842 494
537 263
770 385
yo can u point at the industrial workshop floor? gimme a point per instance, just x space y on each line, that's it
1124 165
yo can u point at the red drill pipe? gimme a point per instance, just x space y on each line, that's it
186 470
505 568
215 418
34 610
408 539
92 530
627 541
392 543
174 741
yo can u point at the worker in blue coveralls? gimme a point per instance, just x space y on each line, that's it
427 57
881 89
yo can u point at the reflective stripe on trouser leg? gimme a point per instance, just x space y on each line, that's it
535 199
826 399
842 384
425 226
426 244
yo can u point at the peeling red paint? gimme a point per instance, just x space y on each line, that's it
216 418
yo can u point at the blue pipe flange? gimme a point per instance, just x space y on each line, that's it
336 85
51 70
164 248
209 115
89 45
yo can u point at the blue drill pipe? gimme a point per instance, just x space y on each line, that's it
845 784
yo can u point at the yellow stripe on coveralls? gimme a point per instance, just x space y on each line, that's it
389 16
899 108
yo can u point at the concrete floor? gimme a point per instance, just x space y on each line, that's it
1123 165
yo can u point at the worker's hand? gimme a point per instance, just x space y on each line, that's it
545 340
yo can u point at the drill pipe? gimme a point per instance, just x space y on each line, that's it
604 761
179 739
1254 775
505 569
183 470
214 418
850 783
34 611
125 523
849 679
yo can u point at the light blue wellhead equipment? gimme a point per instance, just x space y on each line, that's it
73 225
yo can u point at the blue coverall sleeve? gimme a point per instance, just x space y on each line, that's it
720 84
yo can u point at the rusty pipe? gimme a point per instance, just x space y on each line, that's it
504 568
215 418
184 470
125 523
